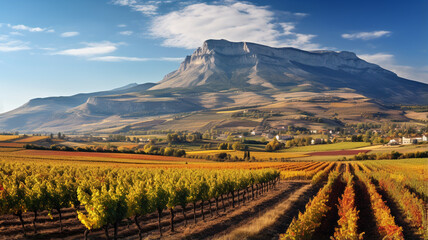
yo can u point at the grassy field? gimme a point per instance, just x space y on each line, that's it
8 137
328 147
398 148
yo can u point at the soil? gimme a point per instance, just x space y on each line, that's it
329 222
366 221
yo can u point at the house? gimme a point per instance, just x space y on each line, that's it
283 137
257 131
394 141
317 141
414 140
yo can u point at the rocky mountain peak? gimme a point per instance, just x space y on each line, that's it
217 59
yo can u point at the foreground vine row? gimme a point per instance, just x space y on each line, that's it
112 195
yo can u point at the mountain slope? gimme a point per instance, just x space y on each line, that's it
220 64
40 111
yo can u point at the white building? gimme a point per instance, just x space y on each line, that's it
317 141
413 140
394 141
256 132
283 137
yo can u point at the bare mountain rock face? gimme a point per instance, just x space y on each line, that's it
220 65
222 74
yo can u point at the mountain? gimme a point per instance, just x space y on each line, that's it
220 64
39 111
223 74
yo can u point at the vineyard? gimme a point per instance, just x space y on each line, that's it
286 200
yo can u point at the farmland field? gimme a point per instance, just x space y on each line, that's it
8 137
254 211
31 139
328 147
257 155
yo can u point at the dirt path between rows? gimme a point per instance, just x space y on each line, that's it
263 225
213 228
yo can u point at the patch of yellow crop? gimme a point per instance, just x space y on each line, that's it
231 111
9 149
8 137
31 139
207 152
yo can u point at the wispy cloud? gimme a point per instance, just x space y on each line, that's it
366 35
11 45
69 34
22 27
234 21
301 14
132 59
121 25
388 61
16 33
149 8
91 49
124 2
126 33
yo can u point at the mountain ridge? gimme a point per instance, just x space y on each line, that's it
209 57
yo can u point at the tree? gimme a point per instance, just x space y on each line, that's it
238 146
274 145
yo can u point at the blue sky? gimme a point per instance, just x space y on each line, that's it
59 47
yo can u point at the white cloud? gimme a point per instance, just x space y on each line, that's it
366 35
30 29
171 59
10 45
50 31
16 33
47 48
118 59
91 49
124 2
26 28
121 25
13 45
301 14
126 33
288 28
388 61
132 59
234 21
146 9
69 34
